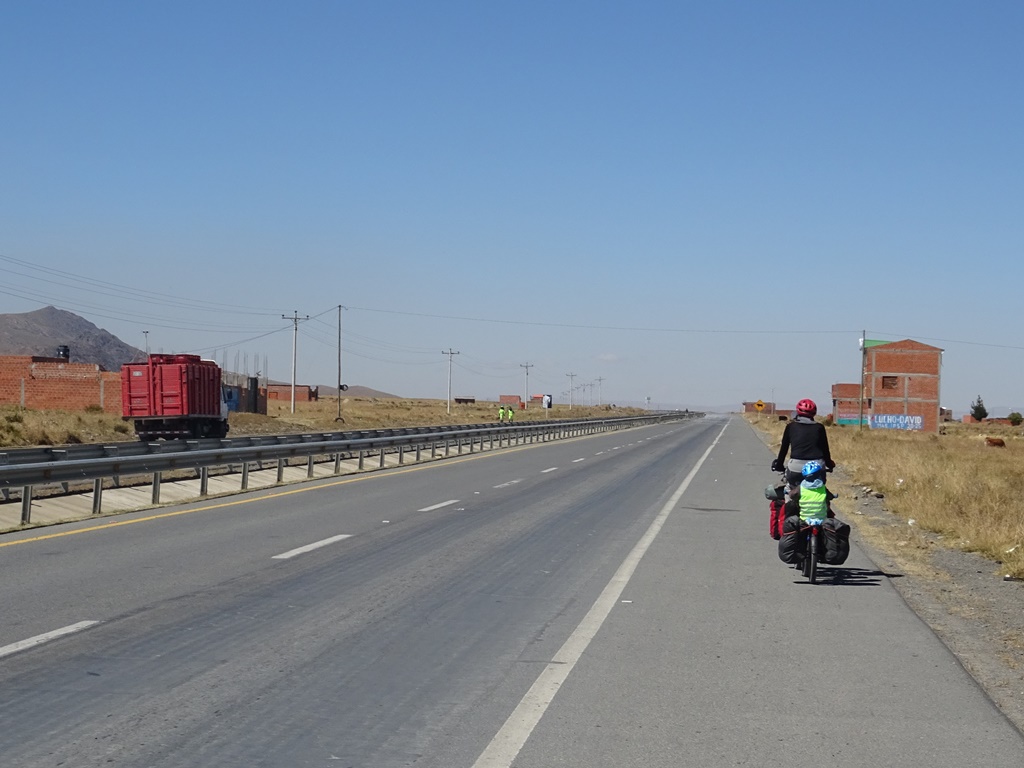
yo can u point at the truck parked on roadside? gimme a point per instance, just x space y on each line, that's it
174 397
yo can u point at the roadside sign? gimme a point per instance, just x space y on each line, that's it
759 405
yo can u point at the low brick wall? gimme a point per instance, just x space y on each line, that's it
43 383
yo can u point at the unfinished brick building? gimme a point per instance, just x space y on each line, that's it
901 381
54 383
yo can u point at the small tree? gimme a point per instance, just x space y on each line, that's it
1016 419
978 410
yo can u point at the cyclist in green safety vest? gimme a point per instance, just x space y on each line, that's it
811 499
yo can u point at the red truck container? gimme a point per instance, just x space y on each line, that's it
174 396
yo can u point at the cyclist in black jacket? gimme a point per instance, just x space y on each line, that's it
805 440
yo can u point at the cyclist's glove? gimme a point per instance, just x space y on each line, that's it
777 466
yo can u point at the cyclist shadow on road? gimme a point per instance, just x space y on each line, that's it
853 577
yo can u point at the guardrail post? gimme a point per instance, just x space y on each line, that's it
447 446
419 451
362 456
245 476
26 505
157 478
309 466
337 463
401 454
204 481
433 449
280 470
97 495
383 452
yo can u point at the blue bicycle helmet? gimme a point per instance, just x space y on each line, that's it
812 468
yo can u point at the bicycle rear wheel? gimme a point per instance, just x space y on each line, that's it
812 559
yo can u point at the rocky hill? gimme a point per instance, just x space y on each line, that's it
42 331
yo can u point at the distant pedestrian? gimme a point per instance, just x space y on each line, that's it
511 414
501 414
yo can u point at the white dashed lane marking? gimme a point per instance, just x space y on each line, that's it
432 507
21 645
310 547
549 469
577 461
510 482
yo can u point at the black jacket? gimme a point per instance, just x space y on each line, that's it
807 439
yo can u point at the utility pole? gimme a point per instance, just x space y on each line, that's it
863 366
451 354
146 334
526 392
571 377
295 344
600 400
339 363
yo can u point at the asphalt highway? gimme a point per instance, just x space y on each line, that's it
606 601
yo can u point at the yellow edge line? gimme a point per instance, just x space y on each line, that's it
373 475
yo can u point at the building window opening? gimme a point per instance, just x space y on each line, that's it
889 382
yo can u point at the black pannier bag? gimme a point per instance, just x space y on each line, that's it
791 545
837 541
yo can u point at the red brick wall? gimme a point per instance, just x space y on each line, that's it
907 361
284 392
43 383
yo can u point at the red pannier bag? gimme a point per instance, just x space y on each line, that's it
777 496
778 517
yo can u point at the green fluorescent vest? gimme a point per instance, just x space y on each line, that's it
813 503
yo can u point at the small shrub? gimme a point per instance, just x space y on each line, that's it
94 408
122 429
1016 419
14 418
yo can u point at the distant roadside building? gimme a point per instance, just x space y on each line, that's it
901 386
303 392
53 383
766 407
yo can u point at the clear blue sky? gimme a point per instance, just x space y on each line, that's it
700 203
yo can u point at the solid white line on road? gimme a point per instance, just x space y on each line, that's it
577 461
524 718
438 506
311 547
7 650
549 469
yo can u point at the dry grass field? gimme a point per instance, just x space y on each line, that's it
20 427
950 487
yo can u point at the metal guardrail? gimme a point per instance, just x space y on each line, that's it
203 455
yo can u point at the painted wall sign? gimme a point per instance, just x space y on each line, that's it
896 421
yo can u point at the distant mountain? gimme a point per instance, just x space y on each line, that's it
42 331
